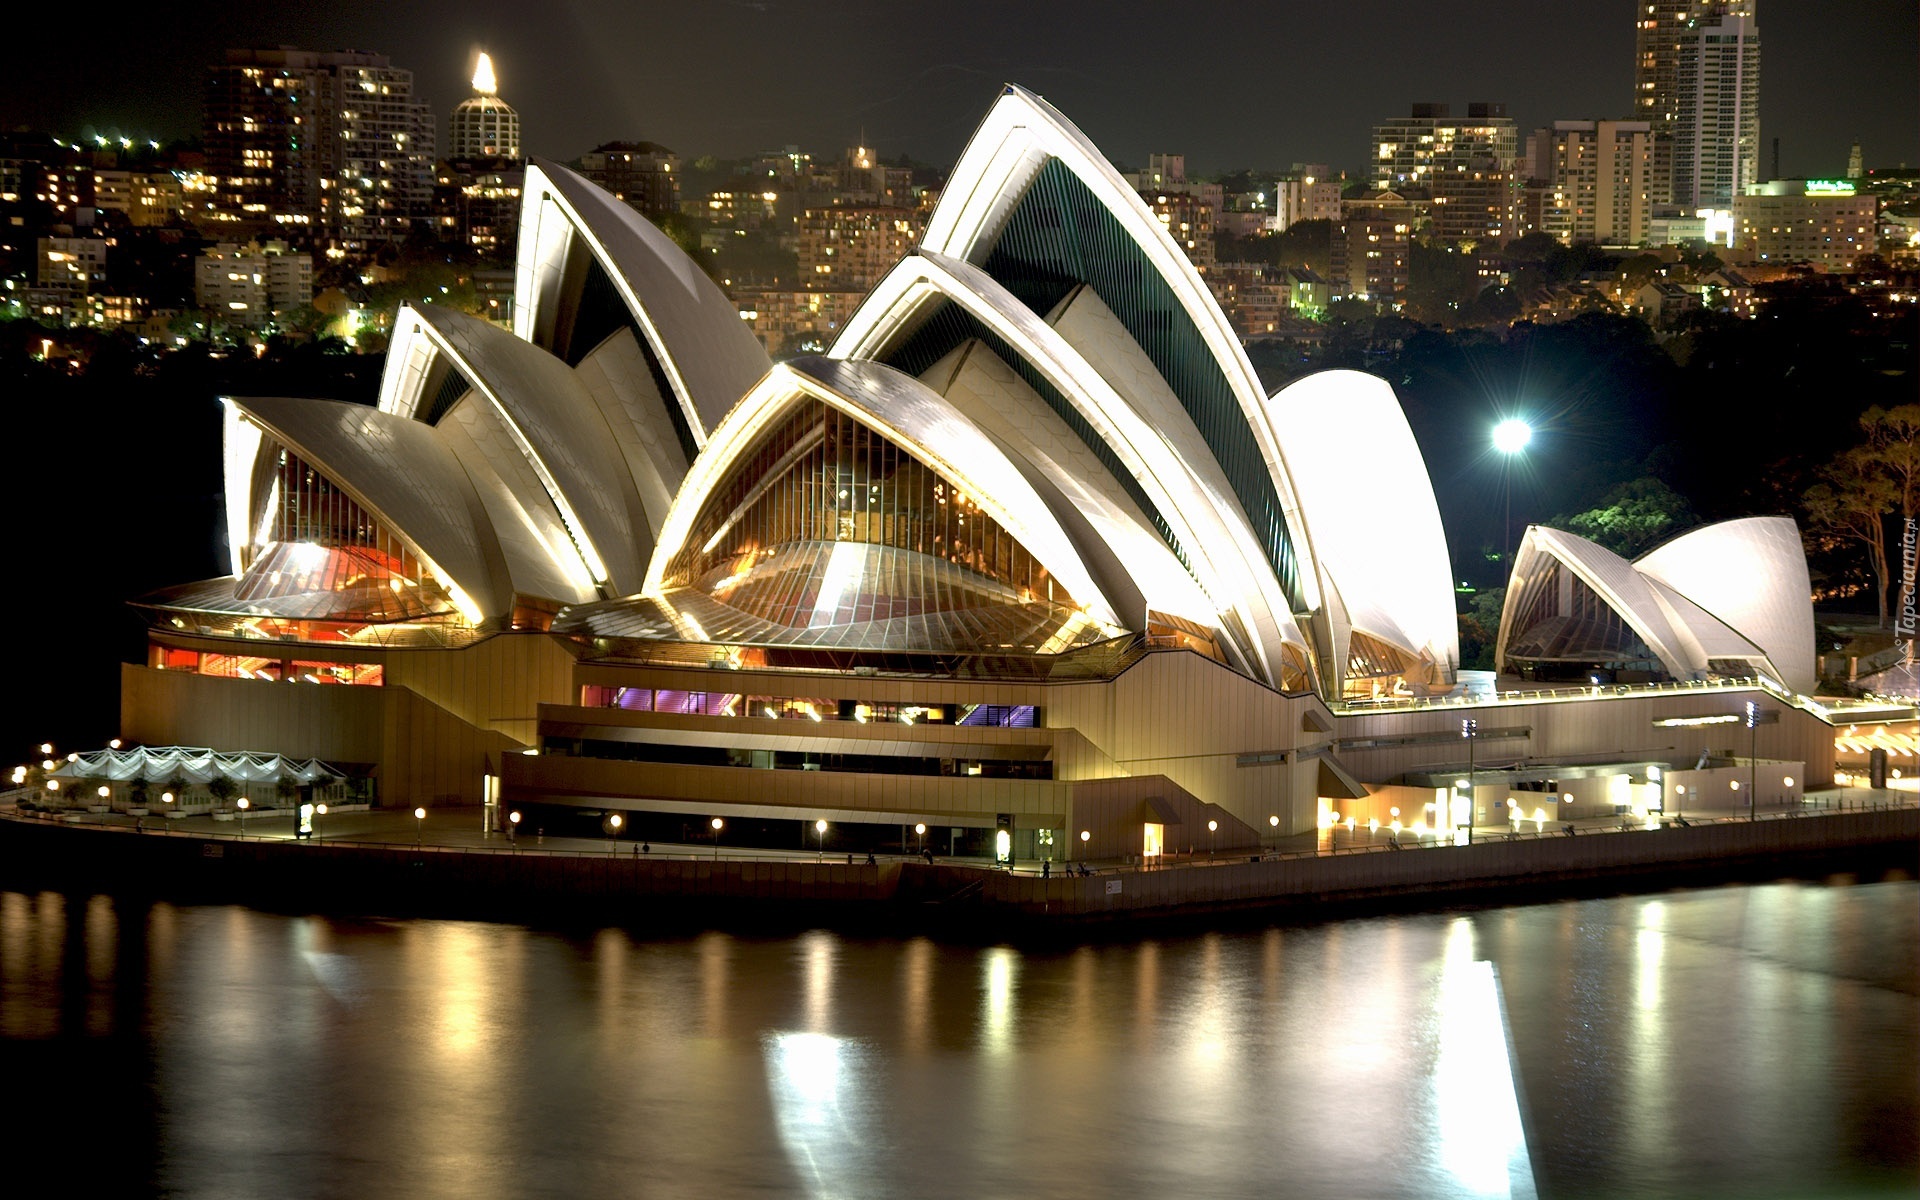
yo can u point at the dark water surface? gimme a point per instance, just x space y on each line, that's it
1742 1041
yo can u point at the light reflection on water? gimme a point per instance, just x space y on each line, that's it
1741 1041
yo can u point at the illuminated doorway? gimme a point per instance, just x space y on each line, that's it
1151 844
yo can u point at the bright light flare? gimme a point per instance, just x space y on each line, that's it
1512 435
484 81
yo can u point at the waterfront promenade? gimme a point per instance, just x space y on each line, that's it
389 861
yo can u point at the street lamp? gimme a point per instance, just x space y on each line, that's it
1753 760
241 804
419 824
820 836
613 831
921 829
513 829
1470 730
1510 438
1212 828
718 825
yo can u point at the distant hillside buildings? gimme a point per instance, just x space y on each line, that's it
334 140
328 159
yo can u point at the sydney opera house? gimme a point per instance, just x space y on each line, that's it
1028 549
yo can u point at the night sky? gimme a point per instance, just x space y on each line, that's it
1228 84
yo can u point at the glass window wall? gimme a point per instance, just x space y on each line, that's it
318 554
268 668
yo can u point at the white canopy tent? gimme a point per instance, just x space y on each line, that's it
163 764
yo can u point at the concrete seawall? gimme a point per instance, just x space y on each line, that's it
366 877
1454 874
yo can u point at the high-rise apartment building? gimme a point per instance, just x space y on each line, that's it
332 141
1308 192
851 246
1466 167
1410 151
1372 250
644 174
247 285
1716 136
1187 208
1189 220
1595 178
1660 81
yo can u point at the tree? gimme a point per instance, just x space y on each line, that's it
1892 450
1698 260
685 233
1494 305
1849 505
222 789
1480 630
1638 271
1306 244
1859 489
1632 518
1441 283
1531 248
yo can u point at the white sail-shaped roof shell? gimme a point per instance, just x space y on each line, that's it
706 352
590 437
920 422
1019 135
1752 574
1379 544
240 454
1131 561
572 443
1682 632
402 473
1186 489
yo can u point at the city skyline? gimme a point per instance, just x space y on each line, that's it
1298 85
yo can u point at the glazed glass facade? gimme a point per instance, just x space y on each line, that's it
829 533
1560 621
318 554
448 392
806 708
273 669
1370 662
1061 235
